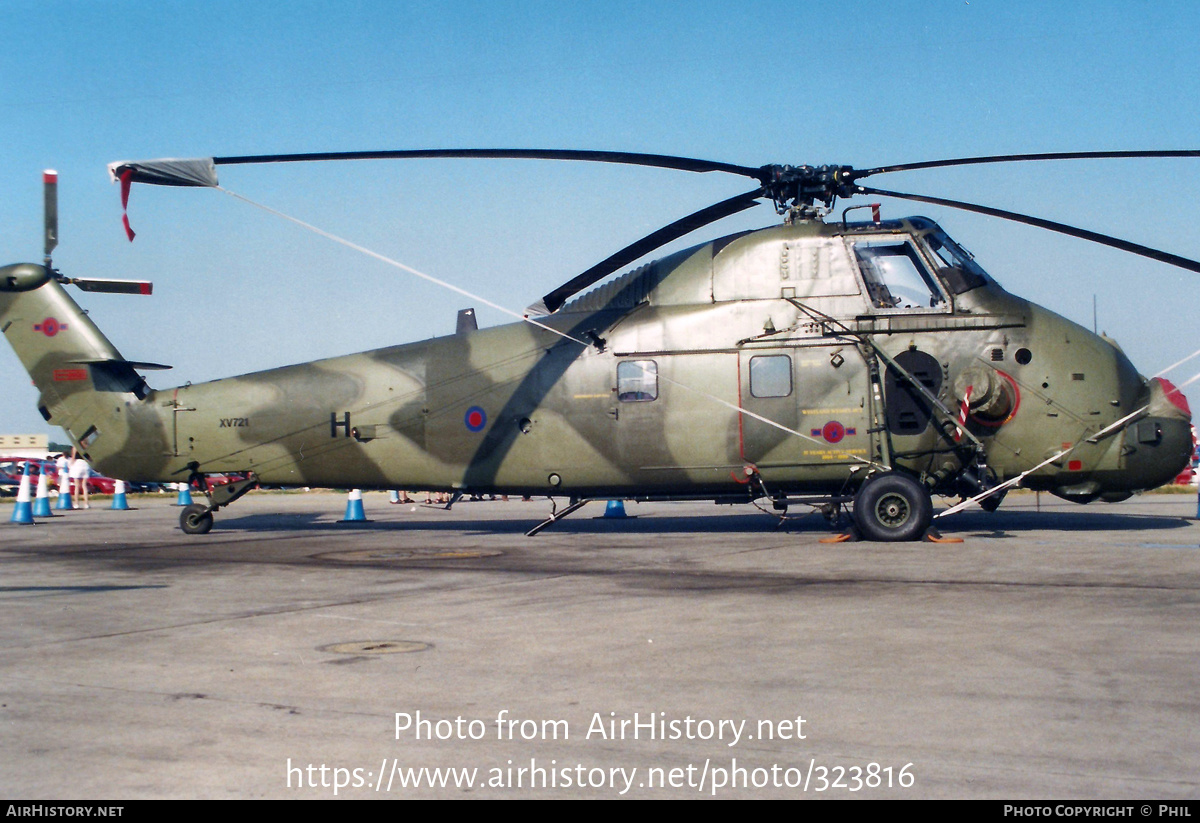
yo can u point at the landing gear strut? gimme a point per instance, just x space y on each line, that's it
198 518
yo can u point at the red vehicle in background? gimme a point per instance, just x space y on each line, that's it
1189 475
214 480
14 466
9 483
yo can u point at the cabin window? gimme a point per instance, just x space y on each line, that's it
637 381
895 276
771 376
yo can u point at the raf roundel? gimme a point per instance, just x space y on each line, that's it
475 419
49 327
833 431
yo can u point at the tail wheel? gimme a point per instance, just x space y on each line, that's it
892 507
196 519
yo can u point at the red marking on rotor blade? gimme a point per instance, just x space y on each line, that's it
126 182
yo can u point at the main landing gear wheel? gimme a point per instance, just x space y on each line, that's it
892 507
196 519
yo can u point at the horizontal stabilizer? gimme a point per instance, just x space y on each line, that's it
135 364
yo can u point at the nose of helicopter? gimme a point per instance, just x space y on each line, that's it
1158 446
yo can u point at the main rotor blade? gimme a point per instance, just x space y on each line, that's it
552 301
664 161
1014 158
1061 228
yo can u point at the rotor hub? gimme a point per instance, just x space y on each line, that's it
802 187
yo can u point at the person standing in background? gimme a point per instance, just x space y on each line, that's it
80 472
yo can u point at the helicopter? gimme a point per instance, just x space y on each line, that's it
843 364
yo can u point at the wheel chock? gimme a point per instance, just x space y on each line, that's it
932 535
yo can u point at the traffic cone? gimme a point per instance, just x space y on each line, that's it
119 503
41 501
615 509
64 492
23 510
354 508
185 495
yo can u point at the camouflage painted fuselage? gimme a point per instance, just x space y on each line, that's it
805 326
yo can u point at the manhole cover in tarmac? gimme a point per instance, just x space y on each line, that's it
386 555
375 647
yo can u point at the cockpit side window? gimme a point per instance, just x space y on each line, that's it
895 275
958 269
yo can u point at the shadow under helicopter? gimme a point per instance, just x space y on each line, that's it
968 524
51 591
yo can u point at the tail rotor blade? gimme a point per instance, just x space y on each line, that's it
50 210
112 286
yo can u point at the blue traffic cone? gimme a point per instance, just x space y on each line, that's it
64 493
23 511
185 495
615 509
354 508
119 503
41 500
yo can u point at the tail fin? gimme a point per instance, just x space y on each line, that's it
74 366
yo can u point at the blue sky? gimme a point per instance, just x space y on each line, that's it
236 290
